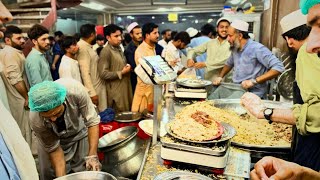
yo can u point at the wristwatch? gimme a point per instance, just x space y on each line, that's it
267 114
254 81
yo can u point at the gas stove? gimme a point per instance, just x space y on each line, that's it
214 155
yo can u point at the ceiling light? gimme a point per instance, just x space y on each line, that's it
65 9
93 5
196 21
184 19
162 23
152 17
210 20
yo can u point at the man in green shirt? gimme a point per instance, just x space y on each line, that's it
37 66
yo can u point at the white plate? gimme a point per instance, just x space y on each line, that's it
147 126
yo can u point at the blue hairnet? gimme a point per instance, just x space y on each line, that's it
305 5
46 96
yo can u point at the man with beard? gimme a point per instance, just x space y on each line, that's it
115 71
305 116
88 62
218 51
253 63
15 79
136 34
166 37
143 96
172 52
37 66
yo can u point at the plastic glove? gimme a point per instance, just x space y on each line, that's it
253 104
217 81
92 163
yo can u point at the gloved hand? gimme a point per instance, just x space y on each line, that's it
253 104
92 163
217 81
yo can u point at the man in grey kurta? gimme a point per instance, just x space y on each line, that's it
67 126
15 79
114 69
37 66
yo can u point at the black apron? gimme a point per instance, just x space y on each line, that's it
305 149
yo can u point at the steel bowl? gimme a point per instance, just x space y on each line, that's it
88 175
128 116
117 136
124 158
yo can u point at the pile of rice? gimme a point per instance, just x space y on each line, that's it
250 130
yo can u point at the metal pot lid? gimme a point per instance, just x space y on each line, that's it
182 175
117 136
88 175
128 116
228 133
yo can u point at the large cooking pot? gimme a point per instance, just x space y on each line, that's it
124 158
88 175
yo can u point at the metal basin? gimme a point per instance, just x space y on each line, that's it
88 175
124 158
117 136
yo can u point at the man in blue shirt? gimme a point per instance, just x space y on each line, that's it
253 63
207 31
37 66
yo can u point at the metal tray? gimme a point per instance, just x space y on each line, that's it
228 133
216 150
186 84
170 175
128 116
234 104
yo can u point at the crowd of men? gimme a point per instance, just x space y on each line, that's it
54 94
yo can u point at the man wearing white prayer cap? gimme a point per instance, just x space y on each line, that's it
294 30
253 64
135 32
209 55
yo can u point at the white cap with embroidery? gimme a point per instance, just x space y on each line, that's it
132 26
223 19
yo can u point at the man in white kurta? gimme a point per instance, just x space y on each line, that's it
69 67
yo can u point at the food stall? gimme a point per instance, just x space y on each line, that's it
240 140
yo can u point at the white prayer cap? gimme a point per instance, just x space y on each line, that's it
223 19
240 25
292 20
132 26
192 31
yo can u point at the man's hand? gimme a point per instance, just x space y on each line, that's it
190 63
126 69
26 104
217 81
274 168
173 63
95 100
253 104
199 65
53 67
92 163
247 84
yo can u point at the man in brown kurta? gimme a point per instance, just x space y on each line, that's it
15 79
143 95
88 62
114 69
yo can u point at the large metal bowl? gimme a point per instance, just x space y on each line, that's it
88 175
117 136
128 116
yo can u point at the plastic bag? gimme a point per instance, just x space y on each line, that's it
189 73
